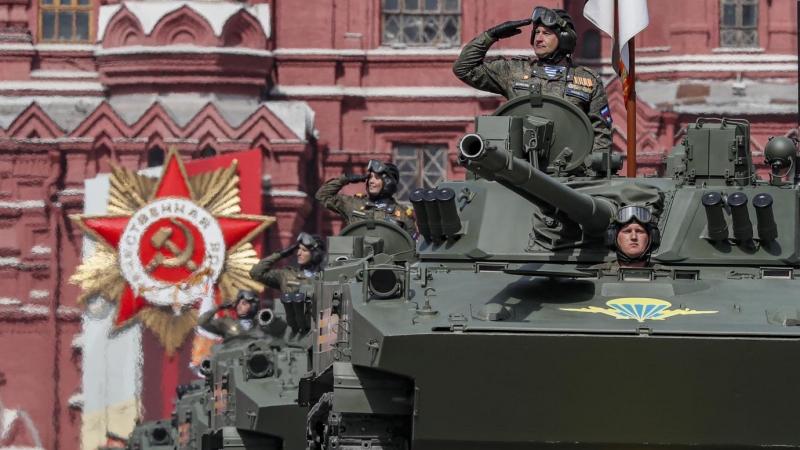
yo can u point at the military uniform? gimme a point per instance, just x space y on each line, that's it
513 78
286 279
349 207
226 326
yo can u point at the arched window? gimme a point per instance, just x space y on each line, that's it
421 23
155 157
208 152
591 45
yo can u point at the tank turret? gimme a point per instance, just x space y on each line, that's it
513 289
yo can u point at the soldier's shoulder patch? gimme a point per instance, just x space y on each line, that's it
606 113
524 85
578 94
359 195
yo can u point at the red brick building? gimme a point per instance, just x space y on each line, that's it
321 87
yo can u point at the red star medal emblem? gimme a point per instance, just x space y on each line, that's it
172 248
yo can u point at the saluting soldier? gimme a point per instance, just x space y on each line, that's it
310 250
382 180
553 40
246 307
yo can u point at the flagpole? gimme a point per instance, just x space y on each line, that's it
630 106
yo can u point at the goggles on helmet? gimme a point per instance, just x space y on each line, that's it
629 213
307 240
246 295
376 166
547 17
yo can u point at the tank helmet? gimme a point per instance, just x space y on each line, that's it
561 22
250 297
390 175
315 244
643 217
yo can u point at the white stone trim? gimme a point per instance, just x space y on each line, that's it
77 341
150 13
70 192
65 74
287 141
64 47
9 261
285 193
419 119
59 140
386 92
39 294
41 250
51 86
144 49
76 401
6 301
23 204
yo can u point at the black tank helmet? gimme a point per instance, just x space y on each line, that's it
643 217
390 176
561 22
252 298
316 245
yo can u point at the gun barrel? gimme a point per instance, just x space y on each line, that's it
593 214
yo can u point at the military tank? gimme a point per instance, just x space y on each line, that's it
190 417
503 332
253 382
154 435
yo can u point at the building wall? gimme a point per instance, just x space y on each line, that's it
68 110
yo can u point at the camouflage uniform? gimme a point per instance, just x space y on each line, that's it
286 279
226 326
579 85
349 206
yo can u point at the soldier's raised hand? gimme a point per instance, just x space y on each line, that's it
356 178
508 29
288 250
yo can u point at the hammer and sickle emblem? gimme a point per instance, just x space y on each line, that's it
181 257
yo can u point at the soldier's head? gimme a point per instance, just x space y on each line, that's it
383 179
553 36
633 235
311 250
246 304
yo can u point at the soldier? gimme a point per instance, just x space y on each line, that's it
553 39
310 250
381 183
246 306
633 235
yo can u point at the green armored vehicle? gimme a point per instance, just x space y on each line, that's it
155 435
191 414
511 328
253 382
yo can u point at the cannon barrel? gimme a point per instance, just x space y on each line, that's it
271 324
593 214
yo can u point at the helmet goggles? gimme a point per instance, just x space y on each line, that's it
376 166
307 240
547 17
627 214
249 296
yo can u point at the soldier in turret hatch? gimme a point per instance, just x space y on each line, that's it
246 307
310 250
382 180
633 235
552 71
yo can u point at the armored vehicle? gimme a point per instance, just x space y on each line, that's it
190 416
155 435
507 331
253 383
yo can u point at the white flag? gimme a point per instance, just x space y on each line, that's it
633 18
